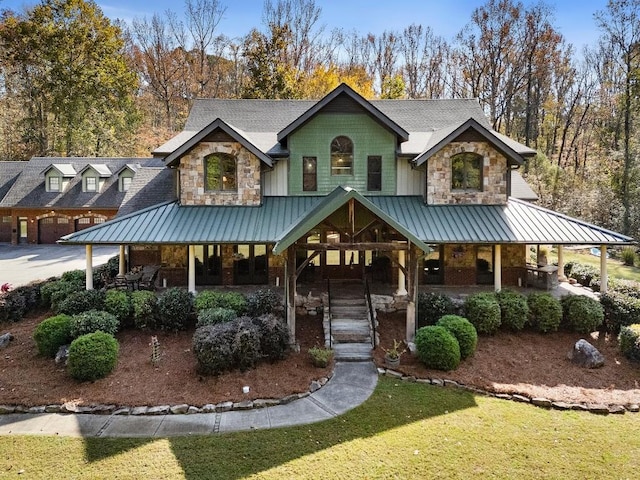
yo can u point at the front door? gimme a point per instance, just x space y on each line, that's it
250 265
22 224
208 264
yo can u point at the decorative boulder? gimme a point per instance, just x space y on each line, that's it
63 355
586 355
5 339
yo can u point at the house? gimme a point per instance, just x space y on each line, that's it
273 191
48 197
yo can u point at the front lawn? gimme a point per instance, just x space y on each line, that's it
403 431
615 268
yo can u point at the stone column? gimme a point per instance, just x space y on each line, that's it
402 289
121 263
89 273
560 263
604 276
191 269
497 268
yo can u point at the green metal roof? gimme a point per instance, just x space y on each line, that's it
282 220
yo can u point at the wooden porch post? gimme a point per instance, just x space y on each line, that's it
412 293
560 263
604 276
121 263
290 292
497 268
191 272
402 289
89 273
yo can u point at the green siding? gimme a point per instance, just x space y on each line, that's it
368 137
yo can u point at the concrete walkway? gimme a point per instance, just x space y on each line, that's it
351 384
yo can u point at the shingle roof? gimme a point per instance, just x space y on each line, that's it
101 169
150 186
9 172
520 189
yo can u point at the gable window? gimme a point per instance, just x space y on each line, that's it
220 172
342 156
309 174
54 184
91 184
466 171
374 173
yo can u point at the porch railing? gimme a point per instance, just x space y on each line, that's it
329 312
372 318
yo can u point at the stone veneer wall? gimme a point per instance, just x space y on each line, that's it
494 176
192 191
460 264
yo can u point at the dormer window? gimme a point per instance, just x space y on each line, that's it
125 183
91 184
220 173
342 156
466 171
54 184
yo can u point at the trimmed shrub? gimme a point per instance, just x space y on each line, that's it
143 308
92 356
264 301
483 311
584 274
52 333
626 287
514 310
92 321
175 309
74 276
582 314
568 266
320 357
53 293
437 348
432 306
629 341
211 316
118 303
628 256
230 300
274 336
463 331
246 344
212 347
13 306
619 311
545 312
82 301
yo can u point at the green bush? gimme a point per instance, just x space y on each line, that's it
320 357
628 256
582 314
52 333
437 348
55 292
432 306
619 310
92 321
212 347
274 336
584 274
545 312
263 302
174 309
246 344
629 341
82 301
463 331
229 300
514 310
143 309
568 267
618 285
211 316
483 311
92 356
15 303
118 303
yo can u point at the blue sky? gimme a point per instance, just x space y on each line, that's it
574 19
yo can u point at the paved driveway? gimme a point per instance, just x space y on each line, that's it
21 264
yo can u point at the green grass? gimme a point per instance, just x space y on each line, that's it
404 431
615 268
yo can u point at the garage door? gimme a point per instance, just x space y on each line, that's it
52 228
5 228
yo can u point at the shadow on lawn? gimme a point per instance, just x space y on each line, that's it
236 455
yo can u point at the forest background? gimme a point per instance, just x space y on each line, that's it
75 83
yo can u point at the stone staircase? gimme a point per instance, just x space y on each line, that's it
350 327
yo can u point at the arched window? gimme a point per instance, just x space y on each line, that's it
466 171
342 156
220 172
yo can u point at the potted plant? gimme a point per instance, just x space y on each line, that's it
392 355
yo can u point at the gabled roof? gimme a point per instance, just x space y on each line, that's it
65 169
100 168
9 173
218 124
336 199
520 189
134 167
445 135
344 90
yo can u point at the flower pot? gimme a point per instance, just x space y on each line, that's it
391 361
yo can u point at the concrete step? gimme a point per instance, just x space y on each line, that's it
352 352
355 311
342 302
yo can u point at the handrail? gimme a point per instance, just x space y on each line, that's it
329 315
371 312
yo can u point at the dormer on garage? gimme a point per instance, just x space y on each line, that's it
94 176
57 176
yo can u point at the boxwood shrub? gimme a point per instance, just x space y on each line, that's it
514 310
212 346
118 303
581 314
92 356
245 346
211 316
82 301
143 309
274 336
264 301
483 311
437 348
619 310
52 333
545 312
54 292
584 274
212 299
432 306
174 309
629 341
463 331
92 321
